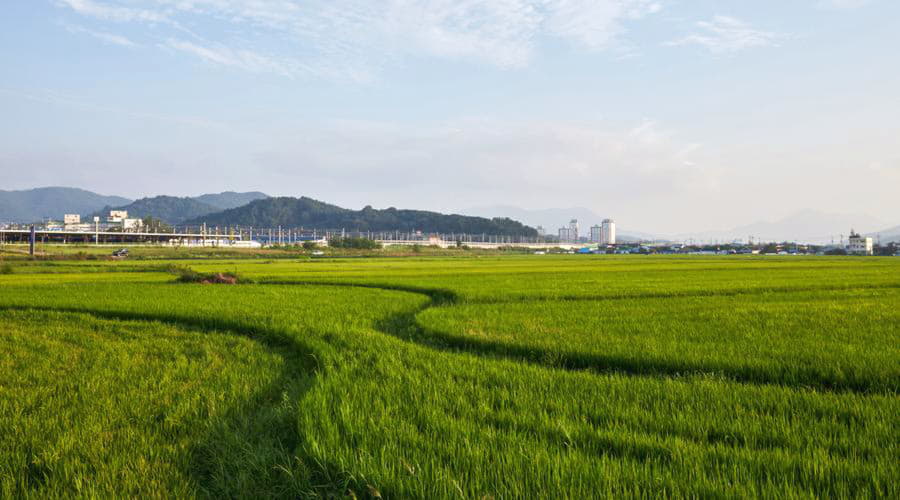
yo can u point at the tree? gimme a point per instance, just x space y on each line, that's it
156 225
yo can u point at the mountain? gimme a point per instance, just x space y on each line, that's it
314 214
551 219
32 205
176 210
887 235
230 199
807 226
168 208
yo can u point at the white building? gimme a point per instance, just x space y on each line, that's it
564 234
608 232
573 230
132 224
595 234
117 216
859 245
71 219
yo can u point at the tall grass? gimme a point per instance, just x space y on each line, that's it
365 389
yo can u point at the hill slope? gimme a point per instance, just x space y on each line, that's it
168 208
310 213
887 235
230 199
34 204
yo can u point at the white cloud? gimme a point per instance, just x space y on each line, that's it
103 36
112 12
727 35
243 59
358 37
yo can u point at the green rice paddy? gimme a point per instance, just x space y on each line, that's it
479 377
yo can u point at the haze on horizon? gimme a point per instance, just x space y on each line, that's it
670 116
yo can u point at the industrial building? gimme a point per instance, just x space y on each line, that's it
859 245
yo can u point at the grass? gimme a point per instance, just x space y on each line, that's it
502 377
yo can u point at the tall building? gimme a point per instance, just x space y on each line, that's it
564 234
608 232
859 245
595 234
573 230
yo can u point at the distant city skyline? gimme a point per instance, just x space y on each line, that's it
659 114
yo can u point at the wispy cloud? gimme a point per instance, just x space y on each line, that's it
112 12
243 59
355 38
103 36
727 35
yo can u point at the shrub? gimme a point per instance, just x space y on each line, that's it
188 275
355 243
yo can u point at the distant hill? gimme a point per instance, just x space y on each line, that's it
33 205
177 210
170 209
230 199
809 226
887 235
310 213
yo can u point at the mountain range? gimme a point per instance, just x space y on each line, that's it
259 210
34 205
808 226
175 210
313 214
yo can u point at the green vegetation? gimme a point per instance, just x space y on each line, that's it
351 242
479 376
313 214
169 209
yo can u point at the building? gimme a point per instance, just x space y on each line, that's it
564 234
117 216
608 232
859 245
573 230
540 230
132 224
595 234
72 222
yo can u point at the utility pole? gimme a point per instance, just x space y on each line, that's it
31 242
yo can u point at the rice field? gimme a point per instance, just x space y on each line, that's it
479 377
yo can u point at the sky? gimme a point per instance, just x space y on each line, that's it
668 115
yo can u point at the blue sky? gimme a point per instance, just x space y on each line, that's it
668 115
